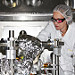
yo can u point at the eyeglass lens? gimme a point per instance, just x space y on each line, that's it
57 20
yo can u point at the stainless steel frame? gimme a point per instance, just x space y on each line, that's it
25 12
25 17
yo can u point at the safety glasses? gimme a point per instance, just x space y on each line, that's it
57 20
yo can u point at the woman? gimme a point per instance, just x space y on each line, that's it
63 28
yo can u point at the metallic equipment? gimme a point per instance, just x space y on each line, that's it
27 10
23 55
54 65
11 3
27 48
34 2
70 3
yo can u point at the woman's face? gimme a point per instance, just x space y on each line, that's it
60 25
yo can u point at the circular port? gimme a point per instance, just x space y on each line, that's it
11 3
33 2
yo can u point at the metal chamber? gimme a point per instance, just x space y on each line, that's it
25 10
23 57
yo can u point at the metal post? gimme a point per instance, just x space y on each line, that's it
57 54
11 50
53 64
57 65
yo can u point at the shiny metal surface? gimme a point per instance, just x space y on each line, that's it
46 7
70 3
25 17
41 12
34 2
24 59
11 3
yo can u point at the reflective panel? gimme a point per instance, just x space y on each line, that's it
11 3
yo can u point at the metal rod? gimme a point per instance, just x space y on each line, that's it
53 64
57 65
11 39
11 65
